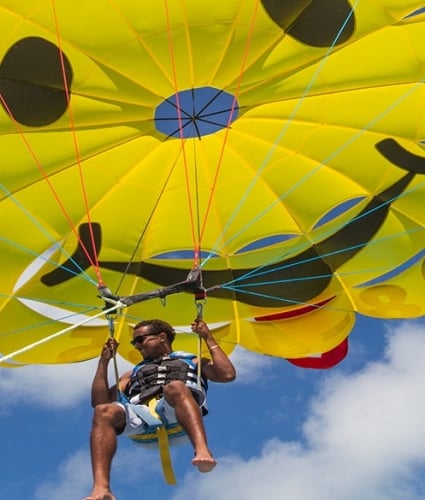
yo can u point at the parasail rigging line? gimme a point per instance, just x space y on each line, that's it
76 148
145 227
46 178
44 340
197 248
200 299
216 248
64 318
237 284
111 328
258 271
75 269
230 116
197 238
180 122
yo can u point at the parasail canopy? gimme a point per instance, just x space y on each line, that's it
276 146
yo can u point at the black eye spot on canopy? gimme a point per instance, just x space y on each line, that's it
32 82
319 23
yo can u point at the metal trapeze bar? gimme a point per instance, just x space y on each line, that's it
193 283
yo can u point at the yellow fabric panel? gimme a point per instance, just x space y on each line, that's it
313 333
396 297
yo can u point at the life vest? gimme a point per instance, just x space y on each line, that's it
149 377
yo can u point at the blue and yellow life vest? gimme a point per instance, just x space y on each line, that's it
145 387
149 377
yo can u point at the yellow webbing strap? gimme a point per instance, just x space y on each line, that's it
164 449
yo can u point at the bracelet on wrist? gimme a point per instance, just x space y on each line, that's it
214 347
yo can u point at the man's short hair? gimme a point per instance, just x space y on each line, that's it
156 326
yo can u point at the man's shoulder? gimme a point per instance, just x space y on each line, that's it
126 375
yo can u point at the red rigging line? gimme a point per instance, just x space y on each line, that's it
180 122
197 240
94 262
45 177
230 118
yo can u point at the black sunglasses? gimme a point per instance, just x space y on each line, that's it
140 338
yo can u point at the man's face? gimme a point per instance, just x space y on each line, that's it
150 345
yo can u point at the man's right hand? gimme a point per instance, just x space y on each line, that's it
109 349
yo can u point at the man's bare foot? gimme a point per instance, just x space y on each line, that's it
204 463
100 495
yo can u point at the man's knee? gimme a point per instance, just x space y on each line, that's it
176 389
109 414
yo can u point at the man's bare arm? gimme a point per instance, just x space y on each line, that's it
219 368
100 390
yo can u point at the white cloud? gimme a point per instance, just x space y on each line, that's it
249 366
72 480
55 386
363 438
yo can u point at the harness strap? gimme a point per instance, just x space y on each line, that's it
150 417
164 449
199 317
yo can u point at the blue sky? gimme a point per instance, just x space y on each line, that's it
352 432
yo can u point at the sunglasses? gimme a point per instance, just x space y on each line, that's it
140 338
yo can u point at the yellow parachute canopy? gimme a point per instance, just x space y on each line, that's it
274 147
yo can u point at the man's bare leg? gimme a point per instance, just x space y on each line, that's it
107 419
188 415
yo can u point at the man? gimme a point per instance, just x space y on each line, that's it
180 396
